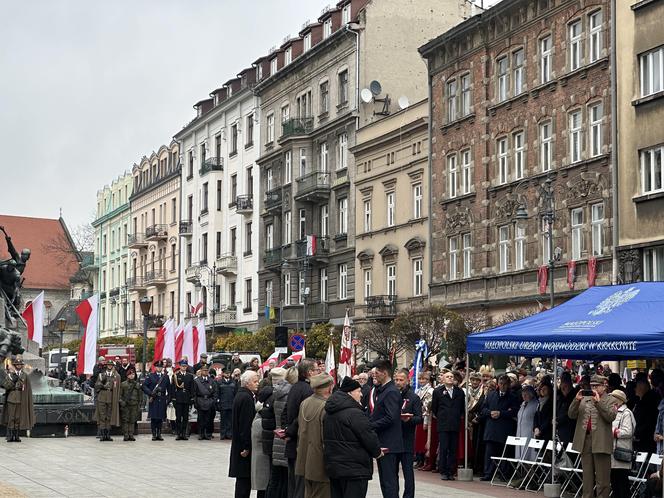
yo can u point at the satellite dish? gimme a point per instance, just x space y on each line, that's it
375 88
366 95
403 102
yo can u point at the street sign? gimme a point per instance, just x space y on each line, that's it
297 342
281 350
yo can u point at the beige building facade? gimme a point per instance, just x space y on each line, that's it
640 101
392 214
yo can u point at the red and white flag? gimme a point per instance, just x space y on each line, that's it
296 357
274 356
34 319
87 353
179 342
188 343
169 340
195 309
311 245
330 367
160 342
200 346
346 354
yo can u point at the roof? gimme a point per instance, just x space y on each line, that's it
53 259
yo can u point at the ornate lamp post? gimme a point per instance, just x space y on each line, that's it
146 305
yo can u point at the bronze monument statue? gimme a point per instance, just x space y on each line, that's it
11 281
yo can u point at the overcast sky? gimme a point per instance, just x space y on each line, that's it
87 87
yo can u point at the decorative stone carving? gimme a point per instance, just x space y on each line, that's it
415 246
629 266
507 209
389 253
457 221
582 188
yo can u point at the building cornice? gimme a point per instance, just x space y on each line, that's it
112 214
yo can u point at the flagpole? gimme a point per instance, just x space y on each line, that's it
466 474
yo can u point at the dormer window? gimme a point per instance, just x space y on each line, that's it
288 57
327 28
229 91
307 42
345 14
259 72
273 66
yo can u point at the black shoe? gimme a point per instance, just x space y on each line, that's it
125 438
179 437
132 438
485 478
108 435
450 478
444 478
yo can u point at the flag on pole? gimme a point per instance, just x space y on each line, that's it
346 353
311 245
179 342
296 357
200 345
421 353
330 367
195 309
169 340
160 341
188 343
274 356
34 319
87 353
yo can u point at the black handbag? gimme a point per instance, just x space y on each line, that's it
623 454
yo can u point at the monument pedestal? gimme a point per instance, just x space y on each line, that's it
31 355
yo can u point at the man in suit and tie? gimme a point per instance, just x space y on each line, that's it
448 406
411 417
593 436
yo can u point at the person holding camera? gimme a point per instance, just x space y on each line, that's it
594 412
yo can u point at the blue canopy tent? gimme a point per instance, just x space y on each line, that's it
609 323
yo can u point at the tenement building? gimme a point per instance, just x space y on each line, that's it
111 255
392 214
640 138
520 152
219 215
309 89
153 239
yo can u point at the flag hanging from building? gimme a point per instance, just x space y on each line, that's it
34 319
592 271
571 274
195 309
330 367
311 245
87 353
346 353
542 278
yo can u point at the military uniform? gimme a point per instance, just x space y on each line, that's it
156 387
107 395
18 413
182 396
205 391
130 400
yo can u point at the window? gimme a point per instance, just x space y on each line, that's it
302 225
342 208
595 38
454 257
269 179
269 236
270 128
303 162
390 209
503 248
467 255
324 97
367 283
452 175
520 247
574 45
345 14
204 249
503 78
233 188
597 222
451 101
327 28
324 220
503 161
545 60
518 142
288 55
268 293
517 71
343 281
418 277
322 160
323 285
247 295
342 152
285 114
234 139
652 170
596 112
249 134
343 87
204 198
307 42
173 261
287 289
652 71
273 66
288 168
247 243
653 264
466 176
575 136
577 233
465 95
391 280
417 201
218 245
545 146
287 227
233 241
367 215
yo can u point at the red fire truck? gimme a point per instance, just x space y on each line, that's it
110 351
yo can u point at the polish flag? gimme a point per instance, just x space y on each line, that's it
188 343
330 367
296 357
346 355
169 340
195 309
311 245
87 353
34 319
179 342
200 346
160 342
274 356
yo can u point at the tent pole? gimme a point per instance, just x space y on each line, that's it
553 490
465 474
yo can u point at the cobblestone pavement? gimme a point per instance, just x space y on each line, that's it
84 467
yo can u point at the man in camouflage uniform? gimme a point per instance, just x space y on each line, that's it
18 413
107 395
130 399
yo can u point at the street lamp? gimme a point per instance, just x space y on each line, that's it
212 285
62 323
146 304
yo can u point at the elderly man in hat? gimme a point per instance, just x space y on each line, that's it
205 395
130 399
18 413
203 360
309 463
107 395
182 396
156 387
593 438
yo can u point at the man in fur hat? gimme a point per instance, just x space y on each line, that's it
107 395
18 413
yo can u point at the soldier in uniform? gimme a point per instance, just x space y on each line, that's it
182 394
130 399
205 390
18 413
156 387
107 395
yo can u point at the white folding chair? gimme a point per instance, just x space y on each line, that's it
541 471
644 465
572 472
528 460
511 443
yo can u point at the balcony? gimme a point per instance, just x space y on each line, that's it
244 204
156 232
381 306
193 274
313 187
316 312
273 198
102 295
135 283
227 264
136 240
114 292
226 317
211 164
156 321
156 277
130 325
322 248
296 126
272 257
186 228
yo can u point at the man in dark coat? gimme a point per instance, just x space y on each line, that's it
385 417
565 426
300 391
130 398
448 406
123 367
182 396
349 442
645 413
205 394
411 417
244 410
204 361
18 413
499 411
226 389
156 387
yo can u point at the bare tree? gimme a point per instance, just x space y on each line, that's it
380 338
475 321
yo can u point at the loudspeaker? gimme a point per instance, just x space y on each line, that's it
280 337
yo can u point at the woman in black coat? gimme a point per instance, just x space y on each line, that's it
244 410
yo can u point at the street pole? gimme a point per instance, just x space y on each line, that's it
124 302
552 260
145 342
62 342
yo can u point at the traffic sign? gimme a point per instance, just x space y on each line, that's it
297 342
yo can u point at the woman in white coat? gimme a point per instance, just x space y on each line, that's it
525 421
623 434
